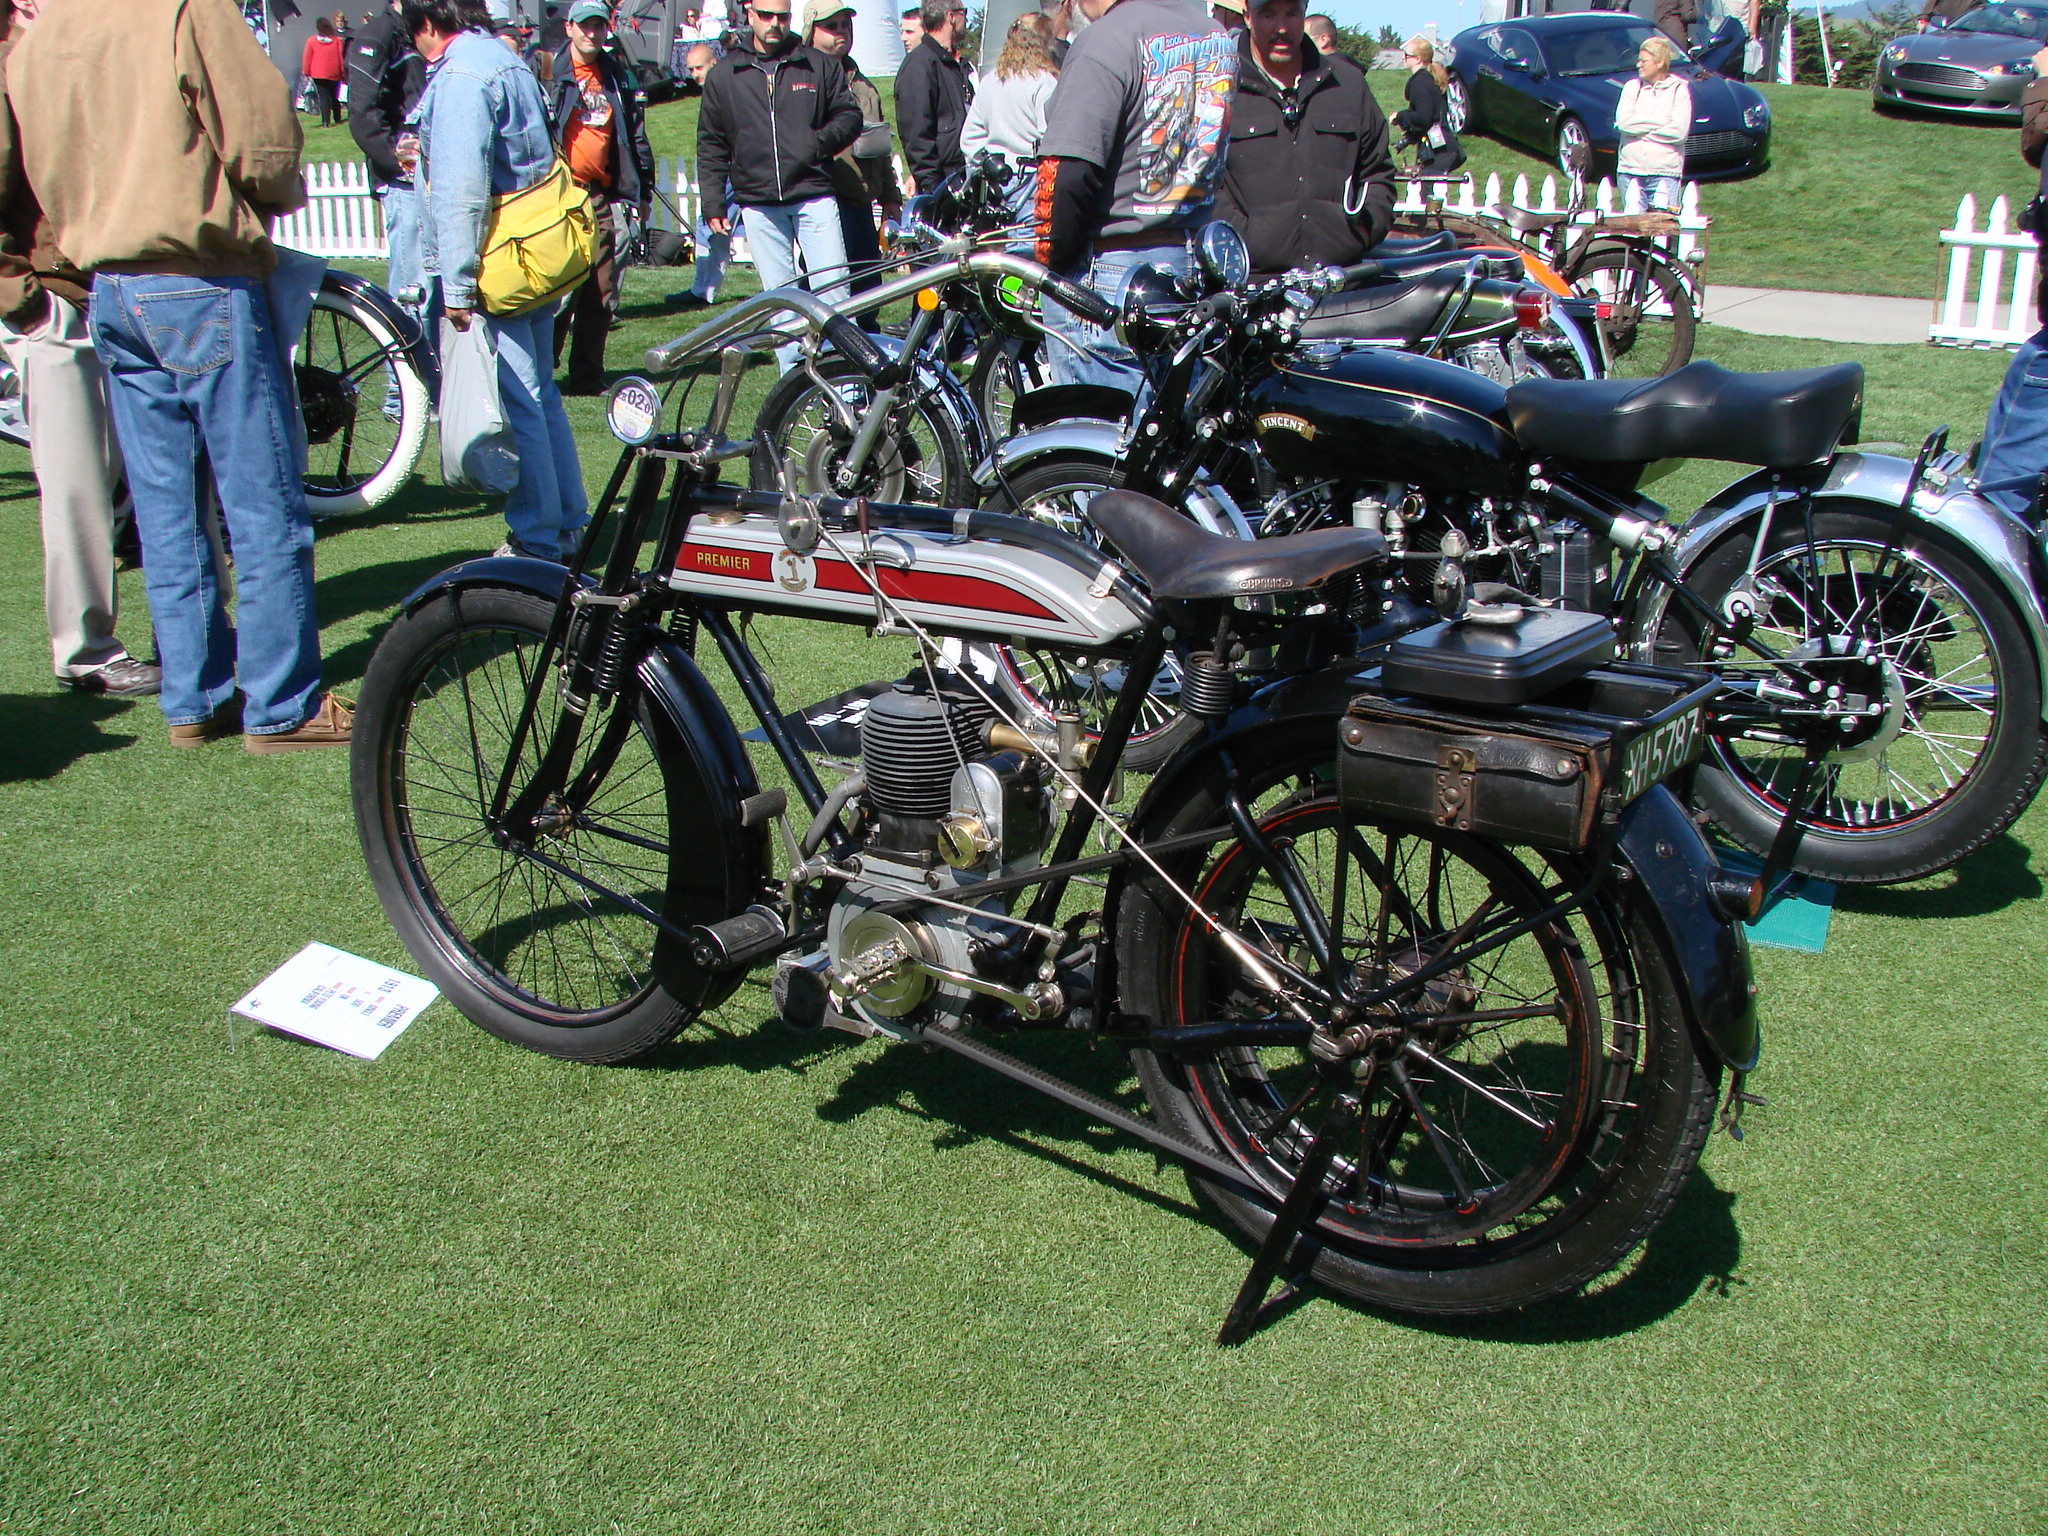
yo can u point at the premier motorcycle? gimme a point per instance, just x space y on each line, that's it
1427 977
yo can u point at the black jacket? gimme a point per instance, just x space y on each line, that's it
632 158
933 89
768 126
1287 174
1427 109
385 78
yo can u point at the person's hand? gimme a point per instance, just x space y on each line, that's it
719 226
459 318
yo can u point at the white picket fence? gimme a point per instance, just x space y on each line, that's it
1985 308
1460 198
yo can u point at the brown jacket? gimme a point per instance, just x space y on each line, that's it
857 179
157 135
29 259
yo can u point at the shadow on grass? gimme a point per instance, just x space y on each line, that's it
421 501
46 733
18 484
1990 880
379 588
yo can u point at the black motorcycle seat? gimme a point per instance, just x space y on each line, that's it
1415 245
1180 559
1700 412
1400 311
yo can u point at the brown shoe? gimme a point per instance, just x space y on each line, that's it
225 721
329 726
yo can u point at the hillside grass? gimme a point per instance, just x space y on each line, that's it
780 1284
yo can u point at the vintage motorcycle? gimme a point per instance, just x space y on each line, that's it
1877 618
1428 979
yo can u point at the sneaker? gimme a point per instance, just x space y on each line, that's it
687 299
514 550
122 678
329 726
225 721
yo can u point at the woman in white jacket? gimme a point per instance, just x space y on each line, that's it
1007 114
1654 117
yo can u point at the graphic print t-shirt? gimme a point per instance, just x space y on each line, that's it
1145 93
587 138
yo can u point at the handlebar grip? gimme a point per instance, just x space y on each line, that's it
1085 302
1363 271
665 358
855 345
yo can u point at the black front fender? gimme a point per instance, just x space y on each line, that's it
543 578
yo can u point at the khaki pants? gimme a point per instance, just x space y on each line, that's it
78 467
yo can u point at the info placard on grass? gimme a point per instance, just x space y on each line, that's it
333 998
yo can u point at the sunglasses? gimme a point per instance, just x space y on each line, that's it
769 15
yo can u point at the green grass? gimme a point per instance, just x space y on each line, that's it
766 1283
1852 201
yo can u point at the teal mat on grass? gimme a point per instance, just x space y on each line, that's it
1796 920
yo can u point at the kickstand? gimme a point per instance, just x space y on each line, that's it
1295 1213
1771 881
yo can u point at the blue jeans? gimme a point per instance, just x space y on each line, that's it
713 251
1640 194
777 231
547 508
401 203
193 373
1103 358
2016 431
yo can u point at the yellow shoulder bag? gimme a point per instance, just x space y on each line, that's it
538 244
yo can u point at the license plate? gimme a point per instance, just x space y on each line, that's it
1657 754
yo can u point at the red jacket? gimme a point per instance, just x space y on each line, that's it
323 59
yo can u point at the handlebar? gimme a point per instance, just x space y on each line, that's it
1085 302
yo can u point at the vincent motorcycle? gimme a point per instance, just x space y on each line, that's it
1880 617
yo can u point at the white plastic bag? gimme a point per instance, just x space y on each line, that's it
477 450
1752 59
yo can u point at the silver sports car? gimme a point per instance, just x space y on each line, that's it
1978 66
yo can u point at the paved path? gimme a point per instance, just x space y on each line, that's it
1820 316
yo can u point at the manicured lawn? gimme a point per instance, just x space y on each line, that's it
1852 201
767 1283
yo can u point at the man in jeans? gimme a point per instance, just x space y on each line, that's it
64 398
714 247
1130 163
175 231
603 137
484 132
2015 445
774 112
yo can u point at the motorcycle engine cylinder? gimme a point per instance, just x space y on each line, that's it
911 741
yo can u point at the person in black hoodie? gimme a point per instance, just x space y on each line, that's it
1427 122
774 113
933 89
385 78
1308 180
595 116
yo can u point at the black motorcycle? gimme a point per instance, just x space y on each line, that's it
1876 619
1427 978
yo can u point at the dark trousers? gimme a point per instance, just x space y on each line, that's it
327 97
863 246
585 318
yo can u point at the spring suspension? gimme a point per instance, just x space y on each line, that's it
610 670
682 628
1207 687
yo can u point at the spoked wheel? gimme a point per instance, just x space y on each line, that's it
498 921
1458 106
1527 1118
365 406
1959 753
921 458
1057 491
1008 369
1574 146
1647 311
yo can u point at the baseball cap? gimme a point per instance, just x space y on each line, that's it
590 10
1234 6
816 11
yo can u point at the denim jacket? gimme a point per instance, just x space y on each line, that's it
483 131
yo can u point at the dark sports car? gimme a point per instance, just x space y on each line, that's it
1979 65
1554 81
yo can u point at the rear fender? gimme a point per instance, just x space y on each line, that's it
1994 536
400 321
1667 863
1100 439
